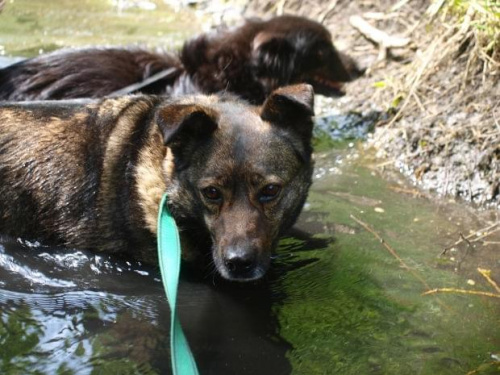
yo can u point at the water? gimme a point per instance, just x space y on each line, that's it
335 302
359 310
78 313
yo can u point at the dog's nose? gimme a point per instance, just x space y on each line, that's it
240 261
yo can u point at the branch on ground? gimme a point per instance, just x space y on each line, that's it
381 38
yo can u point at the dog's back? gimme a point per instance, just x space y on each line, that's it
55 158
85 73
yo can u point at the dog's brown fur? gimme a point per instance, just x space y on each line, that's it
91 175
250 61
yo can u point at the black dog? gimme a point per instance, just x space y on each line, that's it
251 61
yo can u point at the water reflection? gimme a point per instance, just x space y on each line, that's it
80 313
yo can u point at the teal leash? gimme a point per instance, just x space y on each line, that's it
169 254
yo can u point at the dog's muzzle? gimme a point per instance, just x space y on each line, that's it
242 263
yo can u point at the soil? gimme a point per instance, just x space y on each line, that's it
440 94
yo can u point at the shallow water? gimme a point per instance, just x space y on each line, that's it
360 309
335 302
77 313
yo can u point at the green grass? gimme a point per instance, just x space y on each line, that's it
485 20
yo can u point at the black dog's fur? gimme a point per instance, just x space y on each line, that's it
82 73
251 61
259 57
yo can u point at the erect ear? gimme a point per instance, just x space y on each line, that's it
291 108
273 55
194 53
185 126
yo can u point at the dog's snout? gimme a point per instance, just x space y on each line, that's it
240 260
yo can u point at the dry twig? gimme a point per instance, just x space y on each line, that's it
486 234
324 15
413 192
462 238
378 36
399 5
462 291
487 275
392 252
481 369
416 82
381 38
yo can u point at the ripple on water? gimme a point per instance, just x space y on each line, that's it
95 314
60 331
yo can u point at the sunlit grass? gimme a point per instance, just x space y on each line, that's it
484 18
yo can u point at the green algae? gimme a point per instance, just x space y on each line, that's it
357 310
18 337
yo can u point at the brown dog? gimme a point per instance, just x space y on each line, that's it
250 61
91 175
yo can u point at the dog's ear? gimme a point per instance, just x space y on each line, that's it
194 54
291 108
184 126
273 55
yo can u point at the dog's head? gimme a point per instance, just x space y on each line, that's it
294 49
243 172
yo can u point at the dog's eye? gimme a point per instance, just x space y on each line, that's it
212 193
269 192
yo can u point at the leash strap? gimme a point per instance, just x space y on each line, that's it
167 73
169 254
